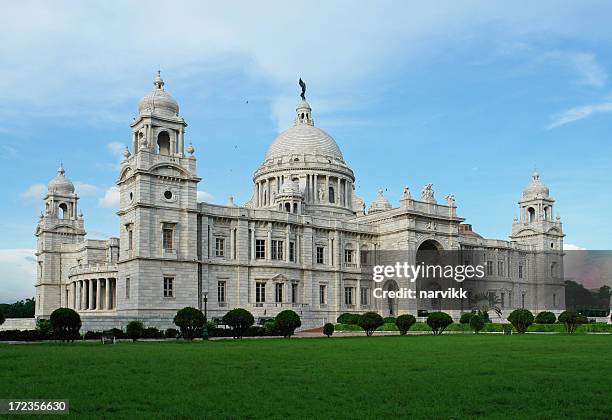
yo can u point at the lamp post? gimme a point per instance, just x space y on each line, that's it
205 329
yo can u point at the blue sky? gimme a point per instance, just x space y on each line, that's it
467 95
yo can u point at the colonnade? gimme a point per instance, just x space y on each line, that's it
93 294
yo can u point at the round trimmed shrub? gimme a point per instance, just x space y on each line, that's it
328 329
45 328
404 322
465 318
134 330
348 318
545 317
238 320
171 333
190 321
571 319
438 321
66 324
270 327
286 322
521 319
370 321
2 318
477 323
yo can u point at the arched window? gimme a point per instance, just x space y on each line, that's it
63 211
531 214
546 213
295 207
553 269
288 207
332 198
163 143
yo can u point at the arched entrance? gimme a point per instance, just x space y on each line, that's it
428 254
389 306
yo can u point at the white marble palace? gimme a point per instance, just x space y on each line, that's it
298 242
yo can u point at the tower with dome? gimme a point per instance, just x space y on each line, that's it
303 240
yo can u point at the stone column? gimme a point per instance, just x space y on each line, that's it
99 295
90 294
287 245
252 239
108 293
182 141
269 242
326 190
337 197
77 295
331 251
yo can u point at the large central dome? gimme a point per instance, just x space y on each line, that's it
304 139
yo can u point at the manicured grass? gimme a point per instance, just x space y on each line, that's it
450 376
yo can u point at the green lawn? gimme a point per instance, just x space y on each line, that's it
450 376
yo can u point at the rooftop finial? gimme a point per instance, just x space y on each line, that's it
158 82
303 86
61 170
536 174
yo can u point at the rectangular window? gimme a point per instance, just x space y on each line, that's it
167 238
320 255
260 292
502 300
130 238
348 295
127 288
554 300
219 247
294 293
365 293
348 256
278 292
322 294
168 287
363 257
292 251
500 268
520 271
277 250
221 291
489 268
260 249
523 300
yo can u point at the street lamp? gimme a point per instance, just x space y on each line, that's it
205 329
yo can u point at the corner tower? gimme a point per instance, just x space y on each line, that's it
158 212
537 224
59 225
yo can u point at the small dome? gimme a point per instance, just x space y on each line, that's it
536 188
60 184
158 101
380 203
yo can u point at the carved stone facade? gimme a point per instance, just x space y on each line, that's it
298 243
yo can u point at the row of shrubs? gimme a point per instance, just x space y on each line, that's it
64 324
522 320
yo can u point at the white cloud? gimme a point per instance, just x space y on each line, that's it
273 40
18 274
571 247
34 192
110 199
579 113
204 196
83 189
592 73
